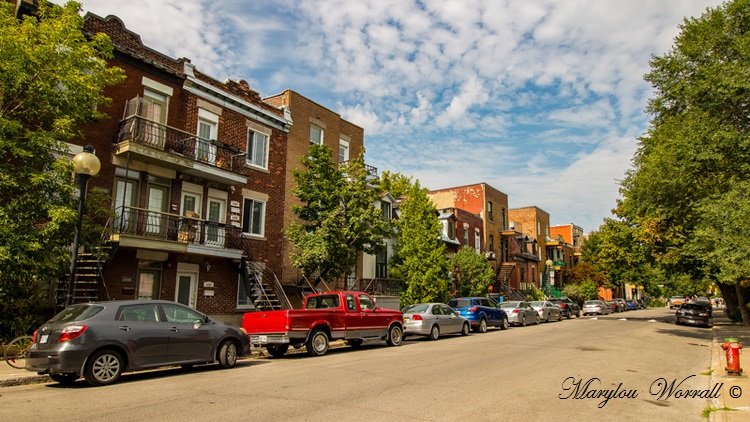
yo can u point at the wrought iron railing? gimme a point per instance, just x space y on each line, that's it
212 152
379 286
171 227
372 170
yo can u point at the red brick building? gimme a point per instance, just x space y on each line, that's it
196 170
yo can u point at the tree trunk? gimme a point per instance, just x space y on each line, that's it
742 304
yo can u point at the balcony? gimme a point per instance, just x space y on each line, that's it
371 170
142 228
185 152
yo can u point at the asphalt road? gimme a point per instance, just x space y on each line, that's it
525 373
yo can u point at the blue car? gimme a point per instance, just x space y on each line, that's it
482 312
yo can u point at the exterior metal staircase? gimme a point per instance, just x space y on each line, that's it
88 280
263 287
501 283
305 286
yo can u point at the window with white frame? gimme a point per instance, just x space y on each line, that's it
477 242
316 134
208 125
253 217
385 208
257 149
343 151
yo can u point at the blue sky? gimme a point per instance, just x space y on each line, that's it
542 99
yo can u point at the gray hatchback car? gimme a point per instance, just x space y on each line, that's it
101 340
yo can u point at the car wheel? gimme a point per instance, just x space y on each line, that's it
482 328
537 321
103 368
434 333
227 354
559 316
465 329
277 351
64 379
355 342
569 315
523 321
317 344
394 336
548 318
505 324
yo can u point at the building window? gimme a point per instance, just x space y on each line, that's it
489 211
316 134
491 246
466 236
381 264
451 229
538 228
343 151
504 218
245 297
253 218
208 125
477 242
385 207
257 149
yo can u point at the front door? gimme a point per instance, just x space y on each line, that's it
187 289
189 335
156 221
215 230
374 323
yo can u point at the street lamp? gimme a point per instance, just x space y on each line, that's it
85 165
548 263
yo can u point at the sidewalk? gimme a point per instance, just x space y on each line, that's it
738 385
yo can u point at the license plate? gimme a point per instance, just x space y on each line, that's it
263 339
43 338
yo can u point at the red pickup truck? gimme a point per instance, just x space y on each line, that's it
352 316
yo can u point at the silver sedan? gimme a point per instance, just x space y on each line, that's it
547 310
520 313
433 320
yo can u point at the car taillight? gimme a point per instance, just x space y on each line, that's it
473 309
71 332
33 337
416 317
515 311
562 305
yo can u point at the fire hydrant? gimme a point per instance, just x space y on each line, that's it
732 348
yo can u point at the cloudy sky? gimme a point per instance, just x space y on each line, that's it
542 99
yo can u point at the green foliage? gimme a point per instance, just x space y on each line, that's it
395 183
51 80
420 262
589 290
338 218
472 272
535 294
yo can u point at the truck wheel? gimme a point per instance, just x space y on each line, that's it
434 333
277 351
227 354
394 336
355 342
317 344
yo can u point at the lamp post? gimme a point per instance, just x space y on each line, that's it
85 165
548 263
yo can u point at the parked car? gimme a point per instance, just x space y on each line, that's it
569 307
616 307
632 305
433 320
694 314
641 303
101 340
676 301
547 310
520 312
622 304
482 312
596 307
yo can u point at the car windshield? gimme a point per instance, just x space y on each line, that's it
509 304
695 306
459 303
415 309
76 313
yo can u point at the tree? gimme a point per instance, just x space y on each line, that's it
420 258
396 184
472 272
697 146
338 219
51 82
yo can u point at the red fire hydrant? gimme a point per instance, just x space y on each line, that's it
732 348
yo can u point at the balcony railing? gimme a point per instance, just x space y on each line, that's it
175 228
211 152
372 170
379 286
